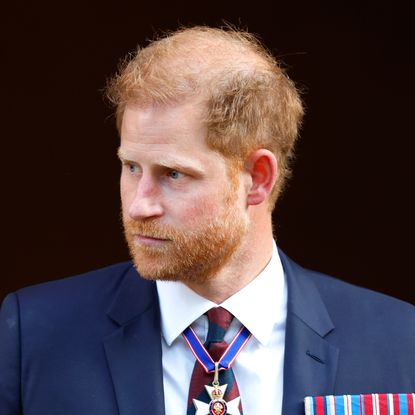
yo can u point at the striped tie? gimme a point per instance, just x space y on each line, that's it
219 321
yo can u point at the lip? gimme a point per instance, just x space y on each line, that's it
149 240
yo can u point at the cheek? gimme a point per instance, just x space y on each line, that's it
123 195
200 209
126 195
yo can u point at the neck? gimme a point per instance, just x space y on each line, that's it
250 259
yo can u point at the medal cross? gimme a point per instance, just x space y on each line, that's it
217 406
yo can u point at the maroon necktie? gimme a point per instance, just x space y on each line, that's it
219 321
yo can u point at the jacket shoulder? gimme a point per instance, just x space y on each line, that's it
82 297
366 316
353 308
375 334
359 301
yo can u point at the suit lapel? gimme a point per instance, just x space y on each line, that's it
310 362
133 350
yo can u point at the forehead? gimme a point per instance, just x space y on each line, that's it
173 131
163 123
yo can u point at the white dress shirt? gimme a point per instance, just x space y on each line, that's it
261 306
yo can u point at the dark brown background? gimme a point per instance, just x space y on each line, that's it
346 211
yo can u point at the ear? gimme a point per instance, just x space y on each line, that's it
262 168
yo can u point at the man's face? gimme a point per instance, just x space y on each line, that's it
183 215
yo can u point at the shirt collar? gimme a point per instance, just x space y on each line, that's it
259 306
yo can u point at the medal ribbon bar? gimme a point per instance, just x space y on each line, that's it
367 404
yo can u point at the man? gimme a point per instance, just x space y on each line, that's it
207 122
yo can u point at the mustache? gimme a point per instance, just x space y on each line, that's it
151 229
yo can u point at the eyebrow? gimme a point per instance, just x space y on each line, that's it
172 164
121 155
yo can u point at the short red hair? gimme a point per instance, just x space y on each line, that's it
250 101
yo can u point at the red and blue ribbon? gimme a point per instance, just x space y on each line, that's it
368 404
228 356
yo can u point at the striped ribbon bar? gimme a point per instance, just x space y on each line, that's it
370 404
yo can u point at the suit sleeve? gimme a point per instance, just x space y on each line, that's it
10 357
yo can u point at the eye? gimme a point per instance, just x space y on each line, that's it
132 168
174 174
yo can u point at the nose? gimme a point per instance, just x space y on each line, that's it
146 202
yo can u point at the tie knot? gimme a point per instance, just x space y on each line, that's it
219 322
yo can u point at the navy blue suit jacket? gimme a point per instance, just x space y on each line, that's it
91 344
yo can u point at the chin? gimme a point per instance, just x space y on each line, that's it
169 271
